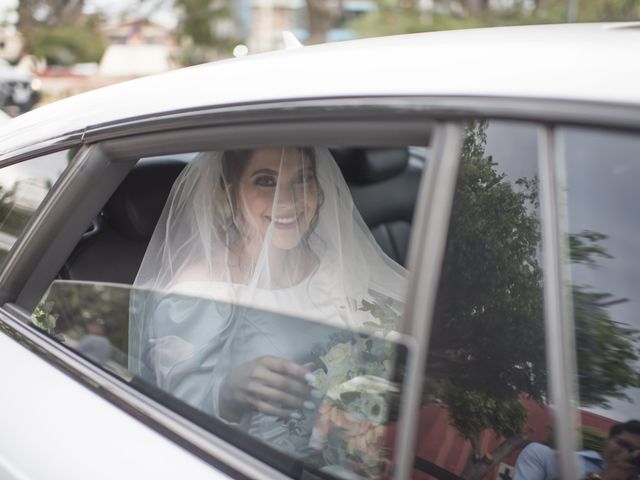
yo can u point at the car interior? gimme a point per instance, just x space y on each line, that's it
384 184
383 181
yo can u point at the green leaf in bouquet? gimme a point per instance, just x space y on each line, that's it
349 397
318 364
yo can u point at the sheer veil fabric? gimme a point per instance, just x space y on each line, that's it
273 229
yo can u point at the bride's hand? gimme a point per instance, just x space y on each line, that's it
271 385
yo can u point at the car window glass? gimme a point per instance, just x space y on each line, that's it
267 297
23 186
485 393
602 171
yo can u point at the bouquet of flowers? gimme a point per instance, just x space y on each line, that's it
356 374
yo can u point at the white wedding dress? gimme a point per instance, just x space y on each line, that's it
187 332
284 323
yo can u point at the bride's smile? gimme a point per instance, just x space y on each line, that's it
278 188
285 222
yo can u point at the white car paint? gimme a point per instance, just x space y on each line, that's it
4 117
591 62
60 430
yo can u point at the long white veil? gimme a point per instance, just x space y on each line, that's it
281 235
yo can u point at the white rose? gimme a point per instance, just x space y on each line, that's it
369 384
374 407
393 336
335 385
337 356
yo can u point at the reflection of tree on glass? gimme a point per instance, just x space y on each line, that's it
487 352
71 311
606 350
23 186
488 337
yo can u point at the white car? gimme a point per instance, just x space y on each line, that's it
499 166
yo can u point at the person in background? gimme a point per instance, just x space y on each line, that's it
620 459
95 343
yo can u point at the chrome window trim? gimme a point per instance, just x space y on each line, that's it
442 107
390 130
41 148
428 241
577 112
216 451
558 336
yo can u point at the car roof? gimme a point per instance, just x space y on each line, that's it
584 62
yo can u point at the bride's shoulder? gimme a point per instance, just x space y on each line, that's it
193 273
198 277
204 271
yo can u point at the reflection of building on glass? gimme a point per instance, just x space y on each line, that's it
28 194
95 344
452 450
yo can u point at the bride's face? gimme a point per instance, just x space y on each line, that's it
278 186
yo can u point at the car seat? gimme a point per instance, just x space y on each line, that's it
384 186
112 250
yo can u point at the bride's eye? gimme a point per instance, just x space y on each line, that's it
265 181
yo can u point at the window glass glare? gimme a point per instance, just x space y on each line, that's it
602 196
23 186
485 394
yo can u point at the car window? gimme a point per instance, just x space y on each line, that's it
602 171
23 186
257 292
485 389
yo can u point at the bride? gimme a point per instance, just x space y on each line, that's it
258 256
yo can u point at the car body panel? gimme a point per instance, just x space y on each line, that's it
93 430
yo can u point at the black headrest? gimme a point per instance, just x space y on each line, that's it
136 205
363 166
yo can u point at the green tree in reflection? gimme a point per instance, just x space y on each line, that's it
488 331
69 307
606 350
488 342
